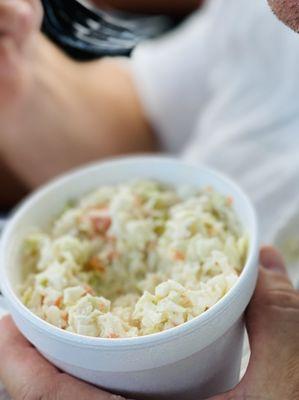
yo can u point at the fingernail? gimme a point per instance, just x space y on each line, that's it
272 260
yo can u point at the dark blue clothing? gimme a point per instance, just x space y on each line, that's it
87 33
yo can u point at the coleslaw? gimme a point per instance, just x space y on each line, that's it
133 259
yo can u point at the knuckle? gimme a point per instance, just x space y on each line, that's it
19 14
37 10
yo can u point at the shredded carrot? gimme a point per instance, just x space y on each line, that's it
64 315
58 302
96 264
178 255
102 307
102 207
113 336
101 224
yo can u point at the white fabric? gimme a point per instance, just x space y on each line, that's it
223 90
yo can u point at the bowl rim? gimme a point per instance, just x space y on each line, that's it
139 341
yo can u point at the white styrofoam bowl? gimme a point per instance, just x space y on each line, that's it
192 361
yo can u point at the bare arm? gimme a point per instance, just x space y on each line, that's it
174 7
70 114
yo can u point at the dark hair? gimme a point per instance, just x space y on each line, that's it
86 33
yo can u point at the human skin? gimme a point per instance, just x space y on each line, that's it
41 88
55 113
287 11
273 373
51 106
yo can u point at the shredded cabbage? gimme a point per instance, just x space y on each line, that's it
134 259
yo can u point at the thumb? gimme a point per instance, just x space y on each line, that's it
273 293
272 323
273 283
274 275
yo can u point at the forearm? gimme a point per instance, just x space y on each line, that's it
75 113
175 7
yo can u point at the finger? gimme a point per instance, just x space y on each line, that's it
272 321
272 318
271 259
18 18
38 12
273 278
26 374
13 81
20 363
274 309
9 60
274 288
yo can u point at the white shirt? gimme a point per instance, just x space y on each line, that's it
224 90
